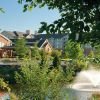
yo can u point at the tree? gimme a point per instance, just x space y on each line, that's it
56 58
21 48
77 16
44 58
1 10
56 61
35 53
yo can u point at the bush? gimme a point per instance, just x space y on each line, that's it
13 96
37 83
74 66
95 96
96 60
56 52
73 50
35 52
91 54
4 85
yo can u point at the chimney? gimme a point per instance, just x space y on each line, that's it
28 31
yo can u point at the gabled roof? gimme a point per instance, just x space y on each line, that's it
8 34
47 36
31 40
28 36
40 43
16 34
43 43
19 34
13 35
5 37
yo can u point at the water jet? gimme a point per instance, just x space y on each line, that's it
86 84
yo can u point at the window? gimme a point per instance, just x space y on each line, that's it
1 44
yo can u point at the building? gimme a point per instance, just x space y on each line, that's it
45 45
41 44
57 41
4 43
44 41
14 35
9 39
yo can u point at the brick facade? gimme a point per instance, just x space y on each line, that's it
4 41
48 48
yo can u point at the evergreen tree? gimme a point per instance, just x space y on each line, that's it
21 48
56 61
44 58
35 52
56 58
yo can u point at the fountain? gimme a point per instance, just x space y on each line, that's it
86 84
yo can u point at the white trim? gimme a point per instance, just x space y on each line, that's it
5 38
45 42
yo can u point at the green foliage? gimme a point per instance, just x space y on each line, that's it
37 84
78 16
56 58
80 65
13 96
35 52
56 52
69 71
56 61
96 60
95 97
73 67
3 85
44 58
97 54
2 10
29 81
7 73
73 50
97 50
21 48
91 54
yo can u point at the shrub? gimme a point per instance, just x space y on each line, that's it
73 50
91 54
13 96
37 83
95 96
4 85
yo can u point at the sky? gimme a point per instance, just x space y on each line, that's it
14 19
